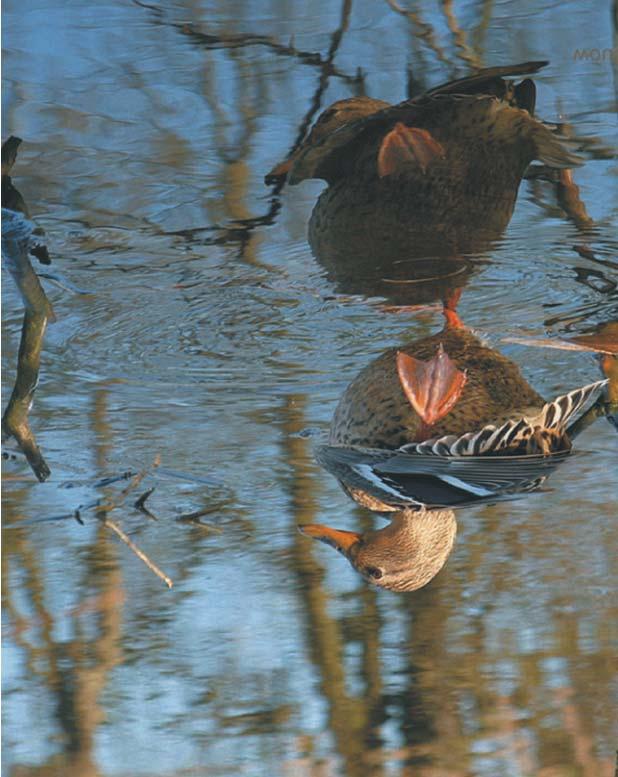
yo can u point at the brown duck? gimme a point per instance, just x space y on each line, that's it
446 421
441 170
402 556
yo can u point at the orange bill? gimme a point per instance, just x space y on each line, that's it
609 365
605 339
432 387
280 171
404 145
339 539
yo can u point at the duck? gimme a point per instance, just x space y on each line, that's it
404 555
435 175
447 421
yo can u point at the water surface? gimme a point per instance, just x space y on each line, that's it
212 337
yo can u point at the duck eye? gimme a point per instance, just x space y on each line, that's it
374 572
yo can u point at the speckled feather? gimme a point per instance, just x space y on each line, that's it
500 438
374 411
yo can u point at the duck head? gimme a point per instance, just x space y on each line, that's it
334 117
402 556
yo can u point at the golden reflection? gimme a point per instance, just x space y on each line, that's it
352 718
72 651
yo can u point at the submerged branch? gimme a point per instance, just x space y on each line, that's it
107 507
139 553
16 244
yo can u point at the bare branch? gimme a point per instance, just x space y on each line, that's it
222 40
16 243
139 553
424 31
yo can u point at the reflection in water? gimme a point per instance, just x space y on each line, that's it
74 654
213 337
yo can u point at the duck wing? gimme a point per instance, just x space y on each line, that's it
401 478
555 416
489 80
467 121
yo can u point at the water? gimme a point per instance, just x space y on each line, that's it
223 348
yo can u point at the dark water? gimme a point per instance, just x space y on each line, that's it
219 343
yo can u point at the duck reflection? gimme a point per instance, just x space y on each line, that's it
435 176
439 423
402 282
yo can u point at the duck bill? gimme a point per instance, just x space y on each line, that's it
280 172
339 539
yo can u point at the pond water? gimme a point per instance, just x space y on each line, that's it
211 338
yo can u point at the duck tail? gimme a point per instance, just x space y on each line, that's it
550 149
561 412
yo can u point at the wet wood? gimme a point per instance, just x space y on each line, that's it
38 312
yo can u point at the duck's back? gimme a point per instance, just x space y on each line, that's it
374 411
446 165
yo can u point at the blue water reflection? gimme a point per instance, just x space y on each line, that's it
219 350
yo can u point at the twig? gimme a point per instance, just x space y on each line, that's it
113 479
137 479
140 503
459 36
139 553
197 514
424 30
107 507
561 345
63 283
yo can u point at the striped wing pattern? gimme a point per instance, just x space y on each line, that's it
514 433
483 466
